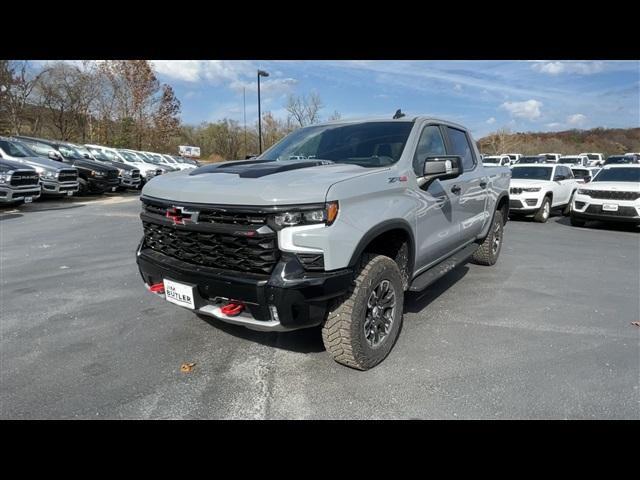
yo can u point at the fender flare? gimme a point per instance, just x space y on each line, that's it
380 228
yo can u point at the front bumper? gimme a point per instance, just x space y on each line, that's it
13 194
50 187
288 299
103 184
585 207
524 203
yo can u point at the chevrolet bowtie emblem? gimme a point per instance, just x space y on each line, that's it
178 215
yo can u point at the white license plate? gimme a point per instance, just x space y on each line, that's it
69 193
609 207
28 199
113 189
179 293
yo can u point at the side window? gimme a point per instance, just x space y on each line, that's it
569 173
430 144
460 146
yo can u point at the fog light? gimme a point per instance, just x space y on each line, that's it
274 313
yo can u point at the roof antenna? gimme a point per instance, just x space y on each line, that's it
398 114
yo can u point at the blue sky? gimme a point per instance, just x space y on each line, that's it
482 95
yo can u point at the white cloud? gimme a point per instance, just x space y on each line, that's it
268 87
213 71
457 87
491 120
577 119
529 109
553 125
558 68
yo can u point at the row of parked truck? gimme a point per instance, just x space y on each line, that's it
31 167
582 159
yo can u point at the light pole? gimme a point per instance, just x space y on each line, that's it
261 73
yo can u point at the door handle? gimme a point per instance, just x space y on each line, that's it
483 184
456 189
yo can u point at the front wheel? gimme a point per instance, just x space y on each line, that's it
567 209
542 215
363 325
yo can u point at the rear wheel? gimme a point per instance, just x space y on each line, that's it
363 325
542 215
489 250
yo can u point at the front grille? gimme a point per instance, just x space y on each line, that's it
111 174
135 173
515 204
217 250
68 176
621 212
604 195
23 178
216 216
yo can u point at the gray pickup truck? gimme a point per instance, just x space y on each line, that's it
329 227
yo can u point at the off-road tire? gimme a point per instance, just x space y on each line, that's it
83 187
343 331
486 254
576 222
540 215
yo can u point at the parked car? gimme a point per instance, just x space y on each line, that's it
188 161
538 189
275 245
128 175
147 172
496 161
176 164
622 159
155 162
514 157
94 177
551 157
578 160
531 159
584 174
612 196
56 179
595 159
19 183
163 162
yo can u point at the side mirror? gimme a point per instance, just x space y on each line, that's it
558 178
53 155
442 167
87 156
587 179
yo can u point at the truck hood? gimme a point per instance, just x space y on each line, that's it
43 163
9 165
613 186
93 165
528 183
254 182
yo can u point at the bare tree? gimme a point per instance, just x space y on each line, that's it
18 83
305 109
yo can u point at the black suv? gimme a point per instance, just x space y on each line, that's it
93 176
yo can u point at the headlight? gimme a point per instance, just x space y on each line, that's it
582 191
536 189
307 215
5 177
48 174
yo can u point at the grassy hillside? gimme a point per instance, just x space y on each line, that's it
610 141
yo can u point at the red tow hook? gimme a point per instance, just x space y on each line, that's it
232 309
157 288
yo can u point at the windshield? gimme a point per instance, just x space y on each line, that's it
570 160
14 149
70 152
591 156
530 160
98 155
129 156
618 160
618 175
580 173
490 160
532 173
370 144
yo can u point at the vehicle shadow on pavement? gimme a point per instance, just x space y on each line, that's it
307 340
9 216
595 225
415 302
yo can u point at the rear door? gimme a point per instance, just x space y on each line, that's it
470 188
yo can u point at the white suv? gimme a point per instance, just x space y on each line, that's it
612 196
595 159
575 160
496 161
536 189
551 157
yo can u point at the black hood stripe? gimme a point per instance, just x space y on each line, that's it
257 168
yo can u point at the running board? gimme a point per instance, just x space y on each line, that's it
425 279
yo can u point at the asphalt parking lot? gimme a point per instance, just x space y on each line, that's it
546 333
